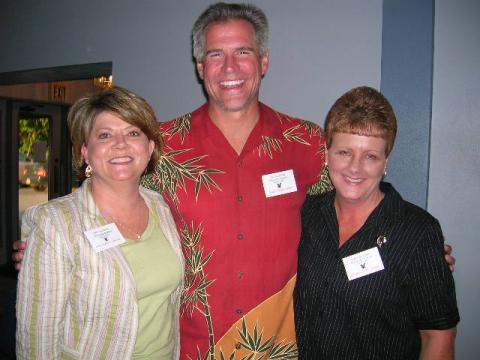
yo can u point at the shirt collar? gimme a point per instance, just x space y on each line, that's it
268 124
390 207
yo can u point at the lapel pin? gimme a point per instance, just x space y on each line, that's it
382 239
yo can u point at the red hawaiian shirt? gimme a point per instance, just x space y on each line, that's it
239 219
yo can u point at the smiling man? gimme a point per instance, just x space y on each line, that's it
236 173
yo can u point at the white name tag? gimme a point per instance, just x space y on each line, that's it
279 183
363 263
104 237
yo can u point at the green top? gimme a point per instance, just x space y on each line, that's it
157 273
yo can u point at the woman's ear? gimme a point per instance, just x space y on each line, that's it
84 152
151 146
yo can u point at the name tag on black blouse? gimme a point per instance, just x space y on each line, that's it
363 263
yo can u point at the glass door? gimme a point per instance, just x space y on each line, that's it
37 164
33 155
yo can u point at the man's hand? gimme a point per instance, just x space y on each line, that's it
19 248
448 256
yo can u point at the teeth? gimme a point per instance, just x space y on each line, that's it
120 160
353 180
231 82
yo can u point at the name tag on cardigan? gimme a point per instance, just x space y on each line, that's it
363 263
279 183
104 237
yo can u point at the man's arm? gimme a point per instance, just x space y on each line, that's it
20 246
437 344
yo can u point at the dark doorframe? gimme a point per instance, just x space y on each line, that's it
61 181
59 162
8 198
59 73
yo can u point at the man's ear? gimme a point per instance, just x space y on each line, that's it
264 62
200 69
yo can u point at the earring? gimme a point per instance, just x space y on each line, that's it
385 172
88 171
325 182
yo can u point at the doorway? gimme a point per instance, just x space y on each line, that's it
38 101
36 161
36 169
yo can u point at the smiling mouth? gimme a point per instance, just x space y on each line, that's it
121 160
352 180
231 83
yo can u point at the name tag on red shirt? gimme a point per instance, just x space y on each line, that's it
279 183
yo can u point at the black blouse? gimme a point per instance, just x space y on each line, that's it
377 316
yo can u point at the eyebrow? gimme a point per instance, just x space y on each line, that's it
213 51
130 126
249 48
246 48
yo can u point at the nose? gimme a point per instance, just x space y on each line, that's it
230 64
120 140
355 164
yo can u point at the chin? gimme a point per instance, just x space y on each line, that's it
356 197
126 177
235 104
351 195
232 107
351 199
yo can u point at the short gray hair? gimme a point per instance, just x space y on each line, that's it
223 12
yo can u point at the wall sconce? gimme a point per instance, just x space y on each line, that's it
103 81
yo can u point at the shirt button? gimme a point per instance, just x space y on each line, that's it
239 198
239 236
240 163
239 274
239 311
238 345
326 283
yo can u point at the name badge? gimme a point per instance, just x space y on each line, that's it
363 263
279 183
104 237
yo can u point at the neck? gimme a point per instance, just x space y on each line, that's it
236 126
123 205
352 216
357 210
115 195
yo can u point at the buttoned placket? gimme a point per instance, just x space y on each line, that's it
239 202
